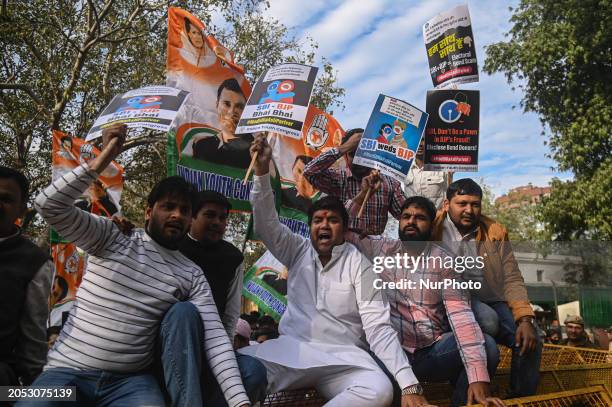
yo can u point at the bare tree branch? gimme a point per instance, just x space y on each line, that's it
23 87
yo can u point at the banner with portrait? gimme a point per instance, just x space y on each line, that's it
102 198
265 283
203 146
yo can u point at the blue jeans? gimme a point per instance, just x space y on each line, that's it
496 319
187 382
441 362
100 388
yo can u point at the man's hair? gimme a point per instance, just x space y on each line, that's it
266 320
172 186
66 138
208 196
270 333
422 203
20 179
464 186
229 84
329 203
63 284
187 25
303 158
349 133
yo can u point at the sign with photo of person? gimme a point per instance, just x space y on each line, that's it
279 102
101 198
151 107
265 283
203 145
451 50
391 138
452 134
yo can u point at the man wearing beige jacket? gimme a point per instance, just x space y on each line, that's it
501 306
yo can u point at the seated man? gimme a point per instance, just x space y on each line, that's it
221 262
331 305
436 326
576 337
345 184
25 283
133 285
501 306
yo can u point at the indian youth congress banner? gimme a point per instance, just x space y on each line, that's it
450 48
265 283
391 137
452 134
102 198
321 132
203 146
279 102
151 107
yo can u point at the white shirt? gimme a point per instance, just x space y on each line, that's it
333 311
430 184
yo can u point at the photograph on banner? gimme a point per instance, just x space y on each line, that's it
451 51
452 134
69 263
391 138
265 283
151 107
101 198
279 102
203 146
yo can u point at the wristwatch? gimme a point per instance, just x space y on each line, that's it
526 319
415 389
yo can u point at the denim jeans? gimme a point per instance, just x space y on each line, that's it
188 380
496 319
100 388
441 362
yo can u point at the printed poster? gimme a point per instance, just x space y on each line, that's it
265 283
203 145
151 107
451 51
279 102
102 198
452 134
391 138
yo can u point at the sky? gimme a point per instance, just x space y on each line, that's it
377 47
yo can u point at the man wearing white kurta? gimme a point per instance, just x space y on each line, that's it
333 311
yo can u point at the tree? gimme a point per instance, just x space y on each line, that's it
61 63
558 54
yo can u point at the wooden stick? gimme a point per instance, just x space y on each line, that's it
365 200
248 173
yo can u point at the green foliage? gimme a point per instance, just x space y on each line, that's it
558 53
61 63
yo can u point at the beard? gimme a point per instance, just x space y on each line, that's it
418 237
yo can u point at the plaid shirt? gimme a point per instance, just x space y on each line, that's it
421 316
339 183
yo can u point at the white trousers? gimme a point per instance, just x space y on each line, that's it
343 386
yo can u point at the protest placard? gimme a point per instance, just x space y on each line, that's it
391 138
279 102
451 137
450 48
151 107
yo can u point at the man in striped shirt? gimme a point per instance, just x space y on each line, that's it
132 286
436 326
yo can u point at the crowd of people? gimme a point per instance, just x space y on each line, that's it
157 316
